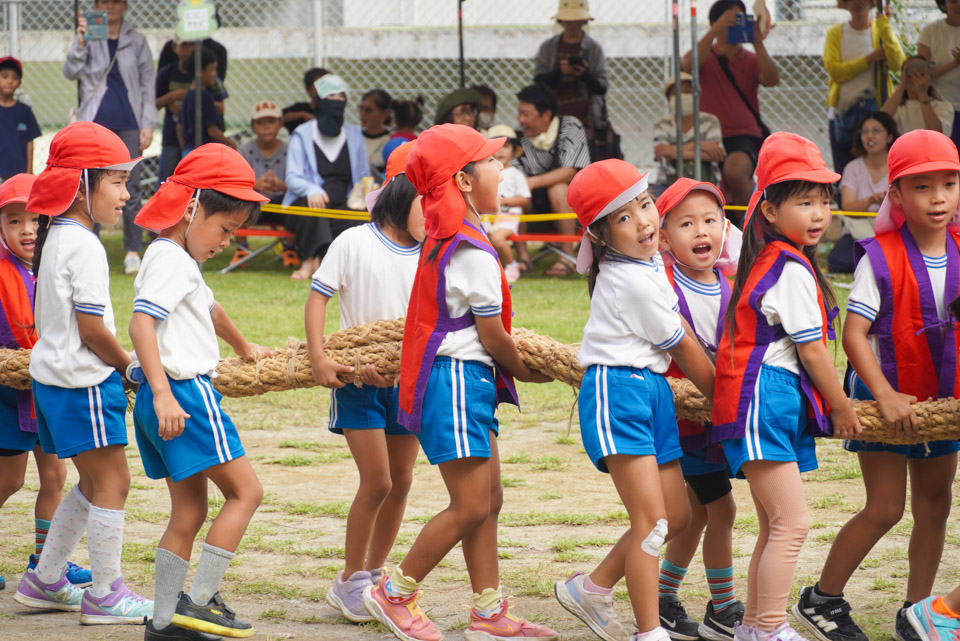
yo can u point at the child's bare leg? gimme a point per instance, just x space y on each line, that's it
718 539
242 494
682 547
953 600
369 449
930 497
12 475
104 476
480 544
885 481
499 241
188 512
763 535
53 476
402 451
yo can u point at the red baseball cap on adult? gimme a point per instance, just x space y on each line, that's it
210 166
16 189
395 167
785 156
441 151
78 146
599 190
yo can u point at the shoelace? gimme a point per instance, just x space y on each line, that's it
676 610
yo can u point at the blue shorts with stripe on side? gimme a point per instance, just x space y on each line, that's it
458 410
365 408
626 410
72 421
776 427
11 436
930 449
209 437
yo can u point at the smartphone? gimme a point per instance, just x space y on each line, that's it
96 25
742 30
575 61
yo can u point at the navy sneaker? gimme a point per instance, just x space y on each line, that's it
212 617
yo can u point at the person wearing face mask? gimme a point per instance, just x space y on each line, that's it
325 159
665 137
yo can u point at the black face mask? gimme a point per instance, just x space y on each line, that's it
330 116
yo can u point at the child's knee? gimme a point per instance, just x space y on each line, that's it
400 483
472 515
376 490
53 476
496 501
253 495
723 511
883 514
187 520
932 506
10 483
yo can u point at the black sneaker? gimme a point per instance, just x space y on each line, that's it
902 630
828 621
214 617
675 621
174 633
719 627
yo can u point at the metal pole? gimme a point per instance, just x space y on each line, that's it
76 23
678 112
463 77
695 72
197 94
13 19
883 63
318 33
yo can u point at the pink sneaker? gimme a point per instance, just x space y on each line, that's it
503 626
404 617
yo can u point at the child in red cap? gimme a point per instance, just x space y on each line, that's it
774 369
183 435
77 366
458 361
700 248
627 420
372 267
18 427
901 347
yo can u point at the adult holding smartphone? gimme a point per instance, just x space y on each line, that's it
939 43
117 91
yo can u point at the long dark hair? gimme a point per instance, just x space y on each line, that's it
600 239
393 204
94 176
469 168
754 240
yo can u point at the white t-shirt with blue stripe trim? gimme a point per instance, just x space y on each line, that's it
634 316
372 274
473 285
170 288
792 303
703 302
74 278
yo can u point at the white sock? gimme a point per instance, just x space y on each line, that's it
171 574
213 565
67 526
105 540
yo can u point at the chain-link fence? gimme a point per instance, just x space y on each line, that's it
410 48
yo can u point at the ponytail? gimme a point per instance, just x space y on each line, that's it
42 231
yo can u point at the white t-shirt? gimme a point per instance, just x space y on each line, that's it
513 184
941 38
856 176
373 275
634 317
909 116
855 44
792 303
170 288
74 278
704 304
473 285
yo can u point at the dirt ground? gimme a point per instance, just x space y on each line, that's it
560 515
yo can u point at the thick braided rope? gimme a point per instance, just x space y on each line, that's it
379 344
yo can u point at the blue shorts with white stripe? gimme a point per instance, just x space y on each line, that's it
209 437
627 410
72 421
458 410
365 408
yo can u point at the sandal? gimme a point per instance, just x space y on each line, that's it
525 265
560 269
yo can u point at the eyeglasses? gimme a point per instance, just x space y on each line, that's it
463 110
879 131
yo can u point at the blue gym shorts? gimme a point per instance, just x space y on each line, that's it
365 408
458 410
13 441
74 420
626 410
209 437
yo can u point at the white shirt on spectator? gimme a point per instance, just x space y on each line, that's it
473 285
513 184
855 44
909 116
942 39
856 176
792 304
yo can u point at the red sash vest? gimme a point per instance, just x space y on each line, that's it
916 356
739 361
17 286
429 320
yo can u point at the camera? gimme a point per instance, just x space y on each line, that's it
742 29
575 61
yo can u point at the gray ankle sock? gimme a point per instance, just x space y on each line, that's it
213 565
170 574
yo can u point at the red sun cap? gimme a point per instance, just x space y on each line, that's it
785 156
915 152
675 193
210 166
16 189
395 167
79 146
442 151
597 191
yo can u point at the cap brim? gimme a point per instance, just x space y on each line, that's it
249 195
489 148
54 191
124 166
710 188
933 165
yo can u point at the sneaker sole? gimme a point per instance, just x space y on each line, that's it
199 625
108 619
41 604
574 608
377 612
82 585
677 636
712 634
337 604
809 625
480 635
917 625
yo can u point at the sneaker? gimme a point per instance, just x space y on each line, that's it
34 593
784 633
174 633
376 573
742 632
403 616
290 258
131 264
596 610
903 630
347 596
503 626
674 619
240 254
78 576
3 583
929 625
721 626
214 617
657 634
512 271
828 621
119 607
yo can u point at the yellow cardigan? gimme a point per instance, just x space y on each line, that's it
840 70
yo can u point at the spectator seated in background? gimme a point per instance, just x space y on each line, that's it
18 126
407 114
665 137
460 107
916 104
863 186
939 42
210 127
300 112
554 150
374 111
514 198
488 107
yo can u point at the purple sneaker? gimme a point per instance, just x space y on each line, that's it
34 593
120 606
347 596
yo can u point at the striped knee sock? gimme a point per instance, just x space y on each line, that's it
41 527
721 588
671 576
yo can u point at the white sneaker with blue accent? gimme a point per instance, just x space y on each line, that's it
596 610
